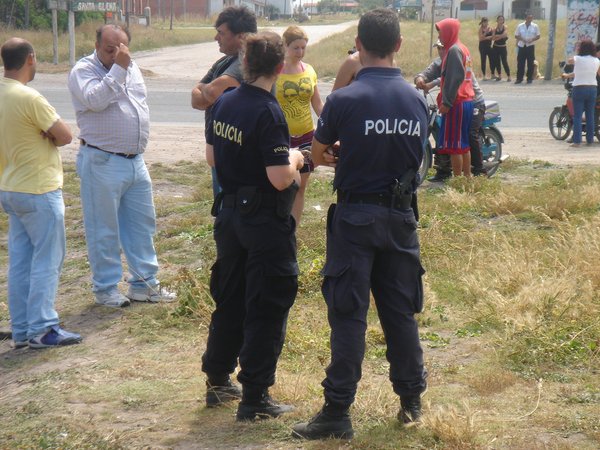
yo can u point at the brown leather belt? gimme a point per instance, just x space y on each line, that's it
122 155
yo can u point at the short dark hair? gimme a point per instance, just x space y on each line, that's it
239 19
262 53
379 31
587 48
15 52
114 27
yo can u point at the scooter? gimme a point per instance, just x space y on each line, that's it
561 117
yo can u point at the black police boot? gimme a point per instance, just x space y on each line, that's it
410 409
332 421
261 407
439 176
220 390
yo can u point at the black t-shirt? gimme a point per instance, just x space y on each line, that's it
227 65
248 133
381 123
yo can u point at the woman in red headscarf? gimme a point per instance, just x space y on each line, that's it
455 100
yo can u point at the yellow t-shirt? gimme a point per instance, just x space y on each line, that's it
294 91
29 163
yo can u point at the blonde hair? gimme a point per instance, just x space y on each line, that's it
293 33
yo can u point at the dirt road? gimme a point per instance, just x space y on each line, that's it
177 68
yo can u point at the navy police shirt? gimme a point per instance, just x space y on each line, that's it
249 133
381 123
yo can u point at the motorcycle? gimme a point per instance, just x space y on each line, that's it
489 135
561 117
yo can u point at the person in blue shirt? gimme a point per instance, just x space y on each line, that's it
380 121
255 278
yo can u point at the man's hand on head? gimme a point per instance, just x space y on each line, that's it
123 58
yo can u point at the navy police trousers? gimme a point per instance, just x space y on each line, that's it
372 248
253 283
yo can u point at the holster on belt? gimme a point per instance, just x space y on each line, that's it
217 204
285 200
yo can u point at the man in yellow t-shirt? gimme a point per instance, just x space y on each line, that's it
31 181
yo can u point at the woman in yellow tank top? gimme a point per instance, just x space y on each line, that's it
296 92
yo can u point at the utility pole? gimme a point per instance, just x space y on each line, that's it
54 36
551 38
171 24
431 32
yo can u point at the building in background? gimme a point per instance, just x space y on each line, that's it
473 9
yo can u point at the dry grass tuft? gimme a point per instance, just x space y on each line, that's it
455 427
490 381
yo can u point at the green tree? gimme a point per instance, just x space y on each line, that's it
367 5
12 14
272 11
325 6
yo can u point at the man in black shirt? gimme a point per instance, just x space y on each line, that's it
233 24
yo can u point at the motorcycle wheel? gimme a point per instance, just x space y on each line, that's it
560 123
425 164
491 150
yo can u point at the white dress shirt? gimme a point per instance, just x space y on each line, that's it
527 33
110 105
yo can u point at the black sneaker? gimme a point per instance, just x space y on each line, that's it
325 426
261 409
218 395
439 176
410 409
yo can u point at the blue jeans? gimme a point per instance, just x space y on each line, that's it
584 100
36 251
118 212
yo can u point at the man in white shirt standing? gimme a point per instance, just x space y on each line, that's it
526 34
109 97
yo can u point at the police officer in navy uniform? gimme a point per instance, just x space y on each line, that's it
381 123
255 278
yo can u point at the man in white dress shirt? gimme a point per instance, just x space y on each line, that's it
526 34
109 97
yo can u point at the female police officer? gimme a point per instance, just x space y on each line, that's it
254 280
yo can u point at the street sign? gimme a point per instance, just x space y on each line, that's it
77 5
61 5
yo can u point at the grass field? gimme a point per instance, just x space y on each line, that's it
510 329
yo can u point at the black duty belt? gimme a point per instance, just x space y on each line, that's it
383 199
232 201
122 155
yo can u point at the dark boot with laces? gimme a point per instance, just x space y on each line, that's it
332 421
410 409
220 390
261 407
